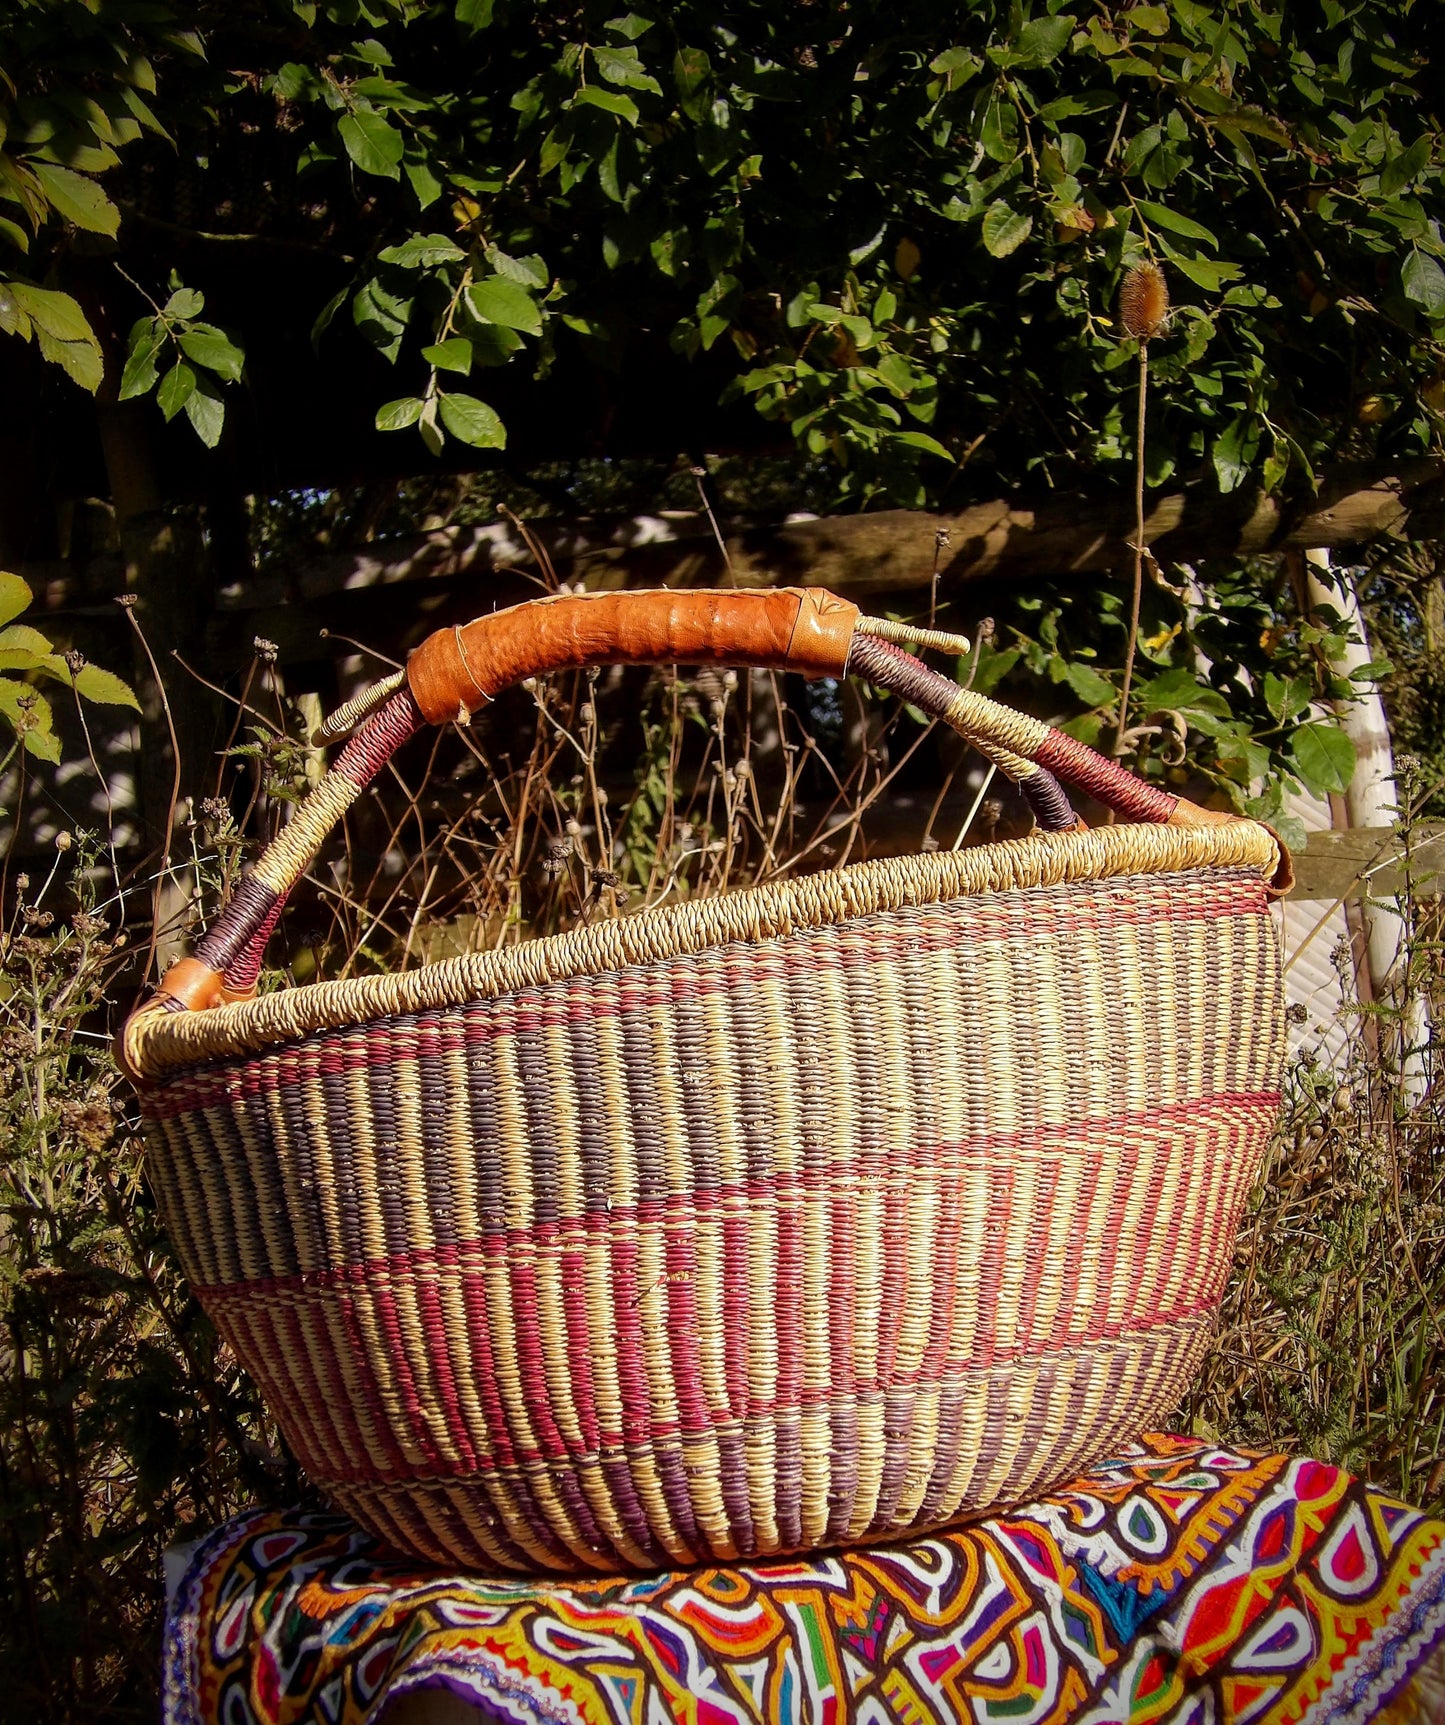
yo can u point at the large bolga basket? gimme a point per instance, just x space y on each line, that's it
821 1212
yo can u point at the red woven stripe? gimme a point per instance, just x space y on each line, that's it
378 739
1082 766
335 1053
484 1361
785 1190
242 1306
363 1470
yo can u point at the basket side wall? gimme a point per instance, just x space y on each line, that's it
778 1245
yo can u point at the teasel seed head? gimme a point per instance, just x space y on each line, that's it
1144 301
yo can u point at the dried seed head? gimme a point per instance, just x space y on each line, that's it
1144 301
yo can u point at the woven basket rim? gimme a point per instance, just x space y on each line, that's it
159 1043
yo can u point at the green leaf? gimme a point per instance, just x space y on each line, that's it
452 355
493 345
1242 759
1092 689
473 422
15 595
29 714
692 73
1401 170
22 638
81 360
176 389
397 415
1323 756
992 667
1202 271
77 198
921 440
206 412
1372 670
424 183
623 66
293 80
474 15
373 143
423 251
1171 219
185 302
211 347
1424 282
958 65
1004 229
531 271
1153 19
27 659
497 300
1286 696
381 317
1179 691
54 312
327 312
105 688
1043 39
609 102
607 173
432 434
554 148
1233 451
141 371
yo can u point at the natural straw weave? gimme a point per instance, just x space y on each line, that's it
824 1212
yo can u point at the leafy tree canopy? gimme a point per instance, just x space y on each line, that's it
894 233
897 230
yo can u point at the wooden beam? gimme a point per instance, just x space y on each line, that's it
892 551
1356 862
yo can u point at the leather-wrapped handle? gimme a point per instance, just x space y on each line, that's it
803 629
455 671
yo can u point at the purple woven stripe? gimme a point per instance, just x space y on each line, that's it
890 667
1051 807
254 905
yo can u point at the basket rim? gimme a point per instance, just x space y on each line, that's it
157 1044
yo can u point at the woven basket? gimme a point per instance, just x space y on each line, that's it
816 1213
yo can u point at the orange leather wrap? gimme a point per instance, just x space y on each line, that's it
803 629
195 985
1188 814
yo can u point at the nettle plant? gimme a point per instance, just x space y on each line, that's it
29 659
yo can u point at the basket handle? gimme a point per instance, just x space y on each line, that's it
457 670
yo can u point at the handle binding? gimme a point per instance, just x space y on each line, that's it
455 671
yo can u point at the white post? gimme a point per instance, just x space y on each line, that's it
1372 799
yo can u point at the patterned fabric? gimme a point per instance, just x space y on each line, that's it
1175 1584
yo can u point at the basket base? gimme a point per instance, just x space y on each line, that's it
944 1453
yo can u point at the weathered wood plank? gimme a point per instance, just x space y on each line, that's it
893 550
890 552
1371 861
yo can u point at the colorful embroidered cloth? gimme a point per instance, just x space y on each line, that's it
1176 1583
